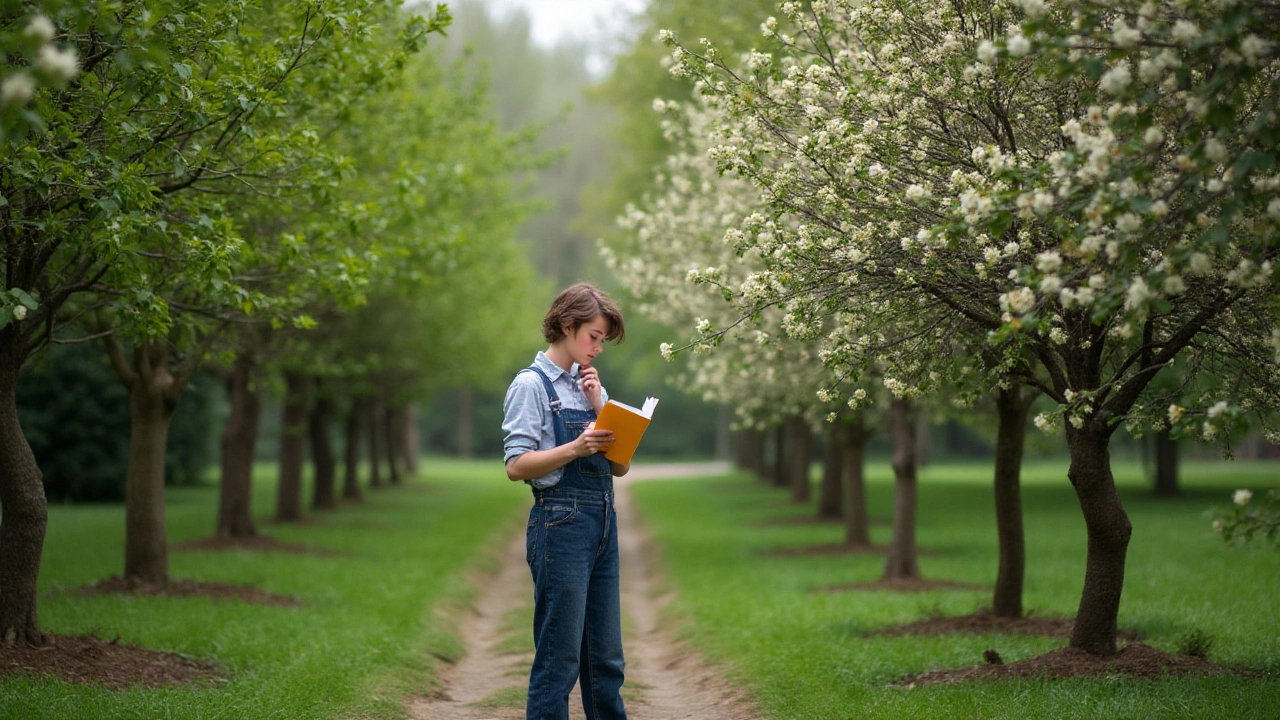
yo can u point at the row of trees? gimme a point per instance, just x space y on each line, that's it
267 190
980 203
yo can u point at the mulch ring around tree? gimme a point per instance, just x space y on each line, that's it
88 659
261 543
1135 660
906 585
116 585
987 623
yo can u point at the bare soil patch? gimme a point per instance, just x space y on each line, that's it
986 623
1135 660
831 549
86 659
187 588
912 585
261 543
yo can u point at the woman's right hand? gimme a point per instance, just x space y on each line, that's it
592 441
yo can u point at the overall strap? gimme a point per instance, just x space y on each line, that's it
551 391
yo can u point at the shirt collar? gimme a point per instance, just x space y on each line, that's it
551 369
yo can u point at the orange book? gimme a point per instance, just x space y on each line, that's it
628 425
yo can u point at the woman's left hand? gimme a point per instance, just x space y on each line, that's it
591 386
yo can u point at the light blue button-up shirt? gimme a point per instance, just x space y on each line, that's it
527 422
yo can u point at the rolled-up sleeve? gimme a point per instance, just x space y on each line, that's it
522 416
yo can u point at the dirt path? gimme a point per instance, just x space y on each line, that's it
665 681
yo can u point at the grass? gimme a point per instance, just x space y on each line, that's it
366 636
804 654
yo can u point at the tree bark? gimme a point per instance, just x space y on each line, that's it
23 508
800 447
293 446
351 481
373 419
466 416
751 452
411 440
1012 406
153 397
780 449
1108 530
322 455
1166 452
724 421
830 500
239 438
394 440
901 562
853 443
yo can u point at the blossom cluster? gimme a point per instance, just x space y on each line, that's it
49 63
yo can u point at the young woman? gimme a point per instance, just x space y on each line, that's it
571 543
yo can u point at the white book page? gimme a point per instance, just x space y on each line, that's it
646 412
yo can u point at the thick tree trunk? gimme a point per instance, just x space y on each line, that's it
1108 530
1166 451
151 404
239 438
901 561
411 440
373 420
23 510
799 448
393 439
322 456
751 452
830 500
293 446
780 450
466 417
853 442
1011 407
351 480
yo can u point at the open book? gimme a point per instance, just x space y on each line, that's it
628 425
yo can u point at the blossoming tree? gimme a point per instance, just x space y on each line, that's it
963 175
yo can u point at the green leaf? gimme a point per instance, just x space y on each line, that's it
21 296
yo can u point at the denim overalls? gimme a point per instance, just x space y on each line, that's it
572 548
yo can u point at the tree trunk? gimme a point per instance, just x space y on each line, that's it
152 400
901 561
800 447
780 457
853 442
239 437
751 452
322 456
373 418
1108 530
393 439
23 509
411 440
724 421
351 482
1011 408
1166 464
830 502
293 446
466 415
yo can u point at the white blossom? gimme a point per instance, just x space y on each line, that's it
1124 36
870 126
63 64
1018 302
19 312
1018 45
1253 48
1174 285
1138 294
1273 208
1218 409
40 29
1175 413
1153 136
1242 497
1214 150
1129 223
1200 264
665 348
17 89
1115 80
987 52
1049 261
1185 31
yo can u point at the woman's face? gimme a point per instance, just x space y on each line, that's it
585 343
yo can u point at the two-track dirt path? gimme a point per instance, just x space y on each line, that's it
665 679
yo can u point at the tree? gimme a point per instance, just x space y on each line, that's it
923 175
99 188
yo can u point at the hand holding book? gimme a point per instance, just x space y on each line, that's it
628 425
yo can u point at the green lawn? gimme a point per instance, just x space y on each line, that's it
805 654
365 636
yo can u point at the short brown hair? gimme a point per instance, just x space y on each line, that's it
578 305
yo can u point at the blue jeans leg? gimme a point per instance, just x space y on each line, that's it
602 662
576 623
